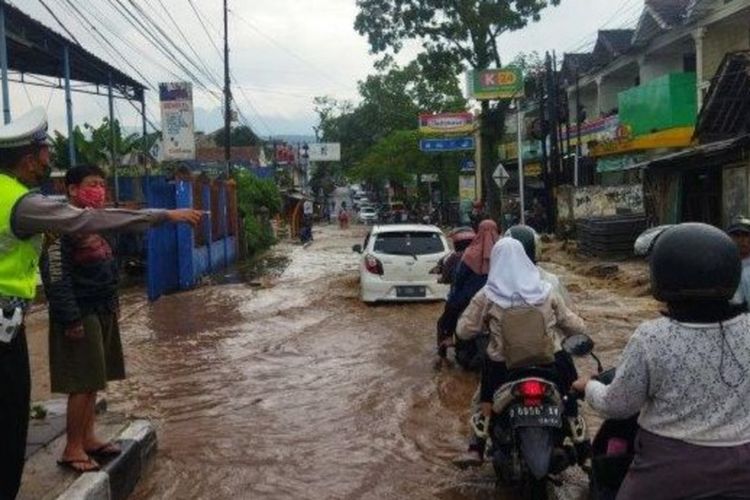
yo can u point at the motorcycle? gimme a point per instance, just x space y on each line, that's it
530 436
613 447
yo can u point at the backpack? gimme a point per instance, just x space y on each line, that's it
525 340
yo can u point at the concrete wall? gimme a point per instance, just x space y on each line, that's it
658 65
609 90
598 201
588 99
721 38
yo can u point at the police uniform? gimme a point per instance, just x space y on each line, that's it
18 261
24 216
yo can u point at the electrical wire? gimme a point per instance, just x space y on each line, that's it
248 101
62 25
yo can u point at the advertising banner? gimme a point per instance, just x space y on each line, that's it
177 125
506 83
324 151
446 123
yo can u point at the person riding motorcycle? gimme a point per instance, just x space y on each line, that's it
687 374
469 278
531 244
461 238
513 281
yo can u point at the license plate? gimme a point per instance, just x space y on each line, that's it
535 416
411 291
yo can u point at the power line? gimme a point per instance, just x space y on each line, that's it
207 74
157 43
234 79
51 13
106 41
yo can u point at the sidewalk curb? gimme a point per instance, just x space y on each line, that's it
120 475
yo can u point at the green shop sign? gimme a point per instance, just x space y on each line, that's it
506 83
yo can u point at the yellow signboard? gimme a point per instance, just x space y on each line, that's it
672 138
467 188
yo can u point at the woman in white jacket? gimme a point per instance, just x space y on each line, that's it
687 374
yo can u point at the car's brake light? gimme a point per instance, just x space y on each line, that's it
373 265
532 392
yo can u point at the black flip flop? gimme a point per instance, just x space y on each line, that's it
70 464
109 449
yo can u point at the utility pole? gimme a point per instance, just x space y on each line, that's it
579 149
227 95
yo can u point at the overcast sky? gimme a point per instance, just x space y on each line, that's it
283 53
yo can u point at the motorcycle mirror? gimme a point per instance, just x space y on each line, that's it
578 345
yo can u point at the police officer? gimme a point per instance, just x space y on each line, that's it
24 215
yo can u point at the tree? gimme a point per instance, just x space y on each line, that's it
93 146
392 98
450 30
397 158
240 136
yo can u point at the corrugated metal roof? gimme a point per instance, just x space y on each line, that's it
726 108
34 48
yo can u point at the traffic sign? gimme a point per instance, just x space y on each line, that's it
448 144
500 175
468 165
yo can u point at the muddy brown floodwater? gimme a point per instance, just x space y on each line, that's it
291 388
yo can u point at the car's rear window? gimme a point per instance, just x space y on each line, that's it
408 243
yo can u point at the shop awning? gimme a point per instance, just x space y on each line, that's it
698 156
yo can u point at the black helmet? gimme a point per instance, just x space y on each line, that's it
527 237
694 262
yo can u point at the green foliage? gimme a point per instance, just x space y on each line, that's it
391 100
254 193
240 136
465 30
93 146
258 200
397 159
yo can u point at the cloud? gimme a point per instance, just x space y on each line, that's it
283 54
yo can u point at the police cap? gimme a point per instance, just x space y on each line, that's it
28 129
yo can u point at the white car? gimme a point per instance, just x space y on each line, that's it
396 263
368 215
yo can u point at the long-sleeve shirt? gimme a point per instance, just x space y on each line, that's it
36 213
484 315
690 382
466 283
80 276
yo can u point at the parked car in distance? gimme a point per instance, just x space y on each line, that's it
367 215
396 263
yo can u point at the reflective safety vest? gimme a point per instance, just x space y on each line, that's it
19 258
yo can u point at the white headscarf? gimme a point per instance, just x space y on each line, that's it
514 280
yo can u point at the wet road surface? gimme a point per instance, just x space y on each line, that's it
295 389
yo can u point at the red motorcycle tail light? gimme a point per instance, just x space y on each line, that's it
532 392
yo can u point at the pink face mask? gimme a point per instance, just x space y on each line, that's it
91 197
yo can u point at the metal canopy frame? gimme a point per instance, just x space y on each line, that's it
36 49
33 54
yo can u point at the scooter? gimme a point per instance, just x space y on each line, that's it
531 438
613 447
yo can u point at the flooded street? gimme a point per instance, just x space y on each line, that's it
290 387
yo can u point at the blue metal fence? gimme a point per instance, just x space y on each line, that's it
174 260
162 259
